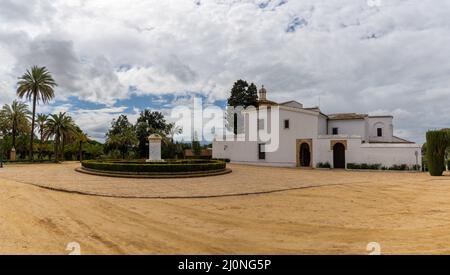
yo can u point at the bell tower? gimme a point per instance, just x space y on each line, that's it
263 94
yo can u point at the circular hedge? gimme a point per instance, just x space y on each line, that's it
169 167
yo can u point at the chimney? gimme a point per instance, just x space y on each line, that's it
262 94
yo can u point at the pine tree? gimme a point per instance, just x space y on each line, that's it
238 93
242 95
251 96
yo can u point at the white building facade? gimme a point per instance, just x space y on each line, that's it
307 138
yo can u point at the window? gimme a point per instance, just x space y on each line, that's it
380 132
261 151
260 124
335 131
286 124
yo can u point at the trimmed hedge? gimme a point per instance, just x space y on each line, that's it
437 143
225 160
400 167
323 165
363 166
182 166
396 167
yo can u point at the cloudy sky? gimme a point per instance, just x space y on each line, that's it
111 57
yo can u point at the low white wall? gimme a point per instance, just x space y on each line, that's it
389 154
244 151
357 152
385 154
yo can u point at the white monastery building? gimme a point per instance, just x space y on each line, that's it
308 137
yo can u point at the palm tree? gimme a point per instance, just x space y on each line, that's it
80 138
123 141
41 121
174 130
36 85
15 118
60 127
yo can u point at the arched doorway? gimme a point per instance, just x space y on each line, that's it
339 156
305 155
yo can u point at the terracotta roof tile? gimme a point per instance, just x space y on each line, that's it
347 116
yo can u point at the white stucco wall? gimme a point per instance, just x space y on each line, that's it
323 125
303 125
348 127
309 125
358 152
236 151
381 122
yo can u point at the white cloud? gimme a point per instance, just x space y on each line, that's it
355 56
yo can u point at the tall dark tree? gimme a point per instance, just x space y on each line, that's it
238 93
14 119
59 126
36 85
150 123
41 121
437 144
121 135
251 96
242 95
80 138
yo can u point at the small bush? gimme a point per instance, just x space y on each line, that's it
401 167
424 165
396 167
323 165
363 166
353 166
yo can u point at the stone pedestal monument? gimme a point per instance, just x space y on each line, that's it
154 144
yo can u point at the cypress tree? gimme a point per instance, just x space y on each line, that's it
437 143
251 96
242 95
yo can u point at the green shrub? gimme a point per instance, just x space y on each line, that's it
198 157
174 166
323 165
375 166
424 165
448 164
401 167
225 160
437 143
363 166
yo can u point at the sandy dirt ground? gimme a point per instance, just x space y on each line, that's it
404 213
